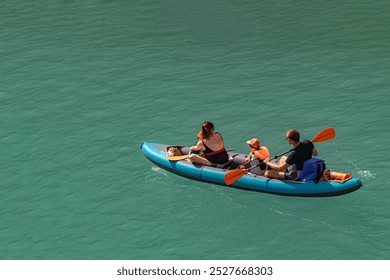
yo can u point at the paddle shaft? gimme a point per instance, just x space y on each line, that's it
182 157
324 135
260 162
275 157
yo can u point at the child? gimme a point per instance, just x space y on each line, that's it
256 157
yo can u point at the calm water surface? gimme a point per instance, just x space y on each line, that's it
84 83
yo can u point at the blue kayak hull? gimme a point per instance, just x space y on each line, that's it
157 154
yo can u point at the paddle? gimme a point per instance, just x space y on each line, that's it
177 158
234 175
322 136
182 157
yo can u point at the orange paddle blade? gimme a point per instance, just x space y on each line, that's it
263 153
324 135
177 158
234 175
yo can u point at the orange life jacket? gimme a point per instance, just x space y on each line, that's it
262 153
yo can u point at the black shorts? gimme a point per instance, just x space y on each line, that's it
219 158
292 174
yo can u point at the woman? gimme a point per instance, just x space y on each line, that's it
212 145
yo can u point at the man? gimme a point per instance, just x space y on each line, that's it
290 167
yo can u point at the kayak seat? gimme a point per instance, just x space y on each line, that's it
223 166
231 164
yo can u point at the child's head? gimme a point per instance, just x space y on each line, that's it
254 144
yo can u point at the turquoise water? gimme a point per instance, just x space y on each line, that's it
84 83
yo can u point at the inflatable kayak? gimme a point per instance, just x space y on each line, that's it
157 153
